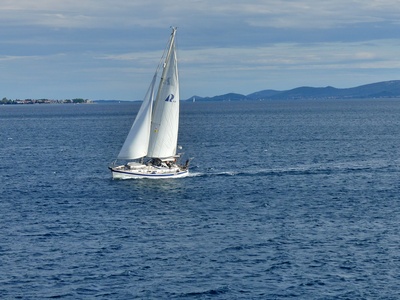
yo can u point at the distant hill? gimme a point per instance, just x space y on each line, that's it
225 97
385 89
263 94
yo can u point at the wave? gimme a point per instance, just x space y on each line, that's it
211 292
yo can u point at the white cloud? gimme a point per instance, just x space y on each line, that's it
6 58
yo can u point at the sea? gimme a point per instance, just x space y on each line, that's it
289 199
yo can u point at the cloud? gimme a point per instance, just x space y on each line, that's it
157 13
6 58
294 56
316 14
224 43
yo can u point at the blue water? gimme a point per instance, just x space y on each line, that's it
287 200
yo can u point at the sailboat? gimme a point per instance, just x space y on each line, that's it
150 149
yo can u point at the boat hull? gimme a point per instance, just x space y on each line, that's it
120 172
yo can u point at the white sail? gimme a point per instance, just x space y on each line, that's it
137 141
165 118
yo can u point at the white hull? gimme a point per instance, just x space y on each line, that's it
144 171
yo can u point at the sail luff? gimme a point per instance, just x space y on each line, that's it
137 142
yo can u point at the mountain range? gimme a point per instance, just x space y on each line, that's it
385 89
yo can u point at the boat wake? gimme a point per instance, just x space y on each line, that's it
313 169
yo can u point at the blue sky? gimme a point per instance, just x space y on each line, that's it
109 49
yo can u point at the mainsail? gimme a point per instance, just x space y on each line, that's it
165 118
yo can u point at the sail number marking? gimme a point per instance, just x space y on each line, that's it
169 98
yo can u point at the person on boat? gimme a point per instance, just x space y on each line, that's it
186 165
155 162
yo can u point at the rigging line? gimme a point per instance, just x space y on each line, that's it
166 49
